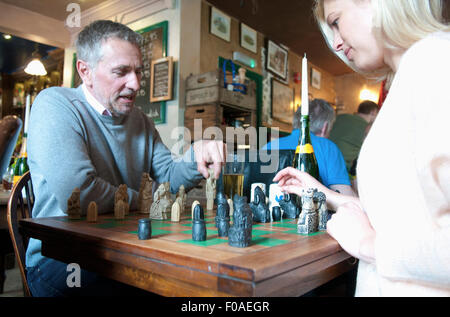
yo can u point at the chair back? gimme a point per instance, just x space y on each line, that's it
20 206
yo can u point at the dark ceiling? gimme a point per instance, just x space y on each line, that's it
291 23
16 52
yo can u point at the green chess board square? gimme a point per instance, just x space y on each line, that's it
284 225
206 243
110 224
256 232
208 225
268 242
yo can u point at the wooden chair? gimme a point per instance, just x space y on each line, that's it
20 208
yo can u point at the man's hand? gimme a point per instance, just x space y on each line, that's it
210 154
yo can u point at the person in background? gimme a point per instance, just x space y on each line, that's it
331 163
399 227
95 139
349 130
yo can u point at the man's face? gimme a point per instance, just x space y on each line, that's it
115 81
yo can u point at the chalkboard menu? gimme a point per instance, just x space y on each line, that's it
161 82
153 47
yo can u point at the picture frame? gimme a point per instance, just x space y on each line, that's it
249 38
277 59
161 81
220 24
283 101
315 78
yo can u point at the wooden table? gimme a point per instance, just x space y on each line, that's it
279 262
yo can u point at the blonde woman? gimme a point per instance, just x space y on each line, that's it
399 227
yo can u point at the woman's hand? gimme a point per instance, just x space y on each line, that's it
351 228
293 181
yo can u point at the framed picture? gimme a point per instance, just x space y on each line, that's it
161 81
282 102
277 59
153 47
315 78
249 38
220 24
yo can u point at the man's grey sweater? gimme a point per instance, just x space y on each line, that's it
71 145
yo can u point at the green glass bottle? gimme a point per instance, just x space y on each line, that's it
304 158
21 165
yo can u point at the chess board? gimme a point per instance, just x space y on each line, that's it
264 235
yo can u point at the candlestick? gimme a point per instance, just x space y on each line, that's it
305 101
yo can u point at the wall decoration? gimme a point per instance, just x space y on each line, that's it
153 47
315 78
161 79
249 38
283 98
220 24
277 61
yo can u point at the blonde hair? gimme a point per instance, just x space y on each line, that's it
398 24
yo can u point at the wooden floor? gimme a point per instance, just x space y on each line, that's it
13 282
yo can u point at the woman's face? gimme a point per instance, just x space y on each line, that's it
351 22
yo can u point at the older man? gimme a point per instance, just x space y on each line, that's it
92 137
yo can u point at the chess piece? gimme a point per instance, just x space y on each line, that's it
308 221
92 212
145 194
120 209
176 210
260 211
198 224
322 209
252 190
195 203
230 204
240 233
276 213
210 190
289 207
223 215
74 205
122 194
145 229
161 206
182 195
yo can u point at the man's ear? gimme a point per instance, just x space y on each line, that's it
85 72
324 130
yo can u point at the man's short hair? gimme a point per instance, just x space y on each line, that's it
367 107
90 40
320 112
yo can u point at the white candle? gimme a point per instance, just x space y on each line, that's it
305 101
27 114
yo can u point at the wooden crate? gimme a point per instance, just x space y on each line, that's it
210 115
208 88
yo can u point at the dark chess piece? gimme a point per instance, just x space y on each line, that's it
276 213
198 224
290 209
240 233
145 229
320 199
222 217
261 212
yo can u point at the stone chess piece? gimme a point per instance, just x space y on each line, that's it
74 205
145 197
198 224
260 210
320 200
240 233
223 215
289 207
308 222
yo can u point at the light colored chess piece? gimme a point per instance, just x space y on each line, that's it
195 203
308 221
74 205
145 197
230 203
183 197
162 204
176 210
210 190
92 212
122 194
120 209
